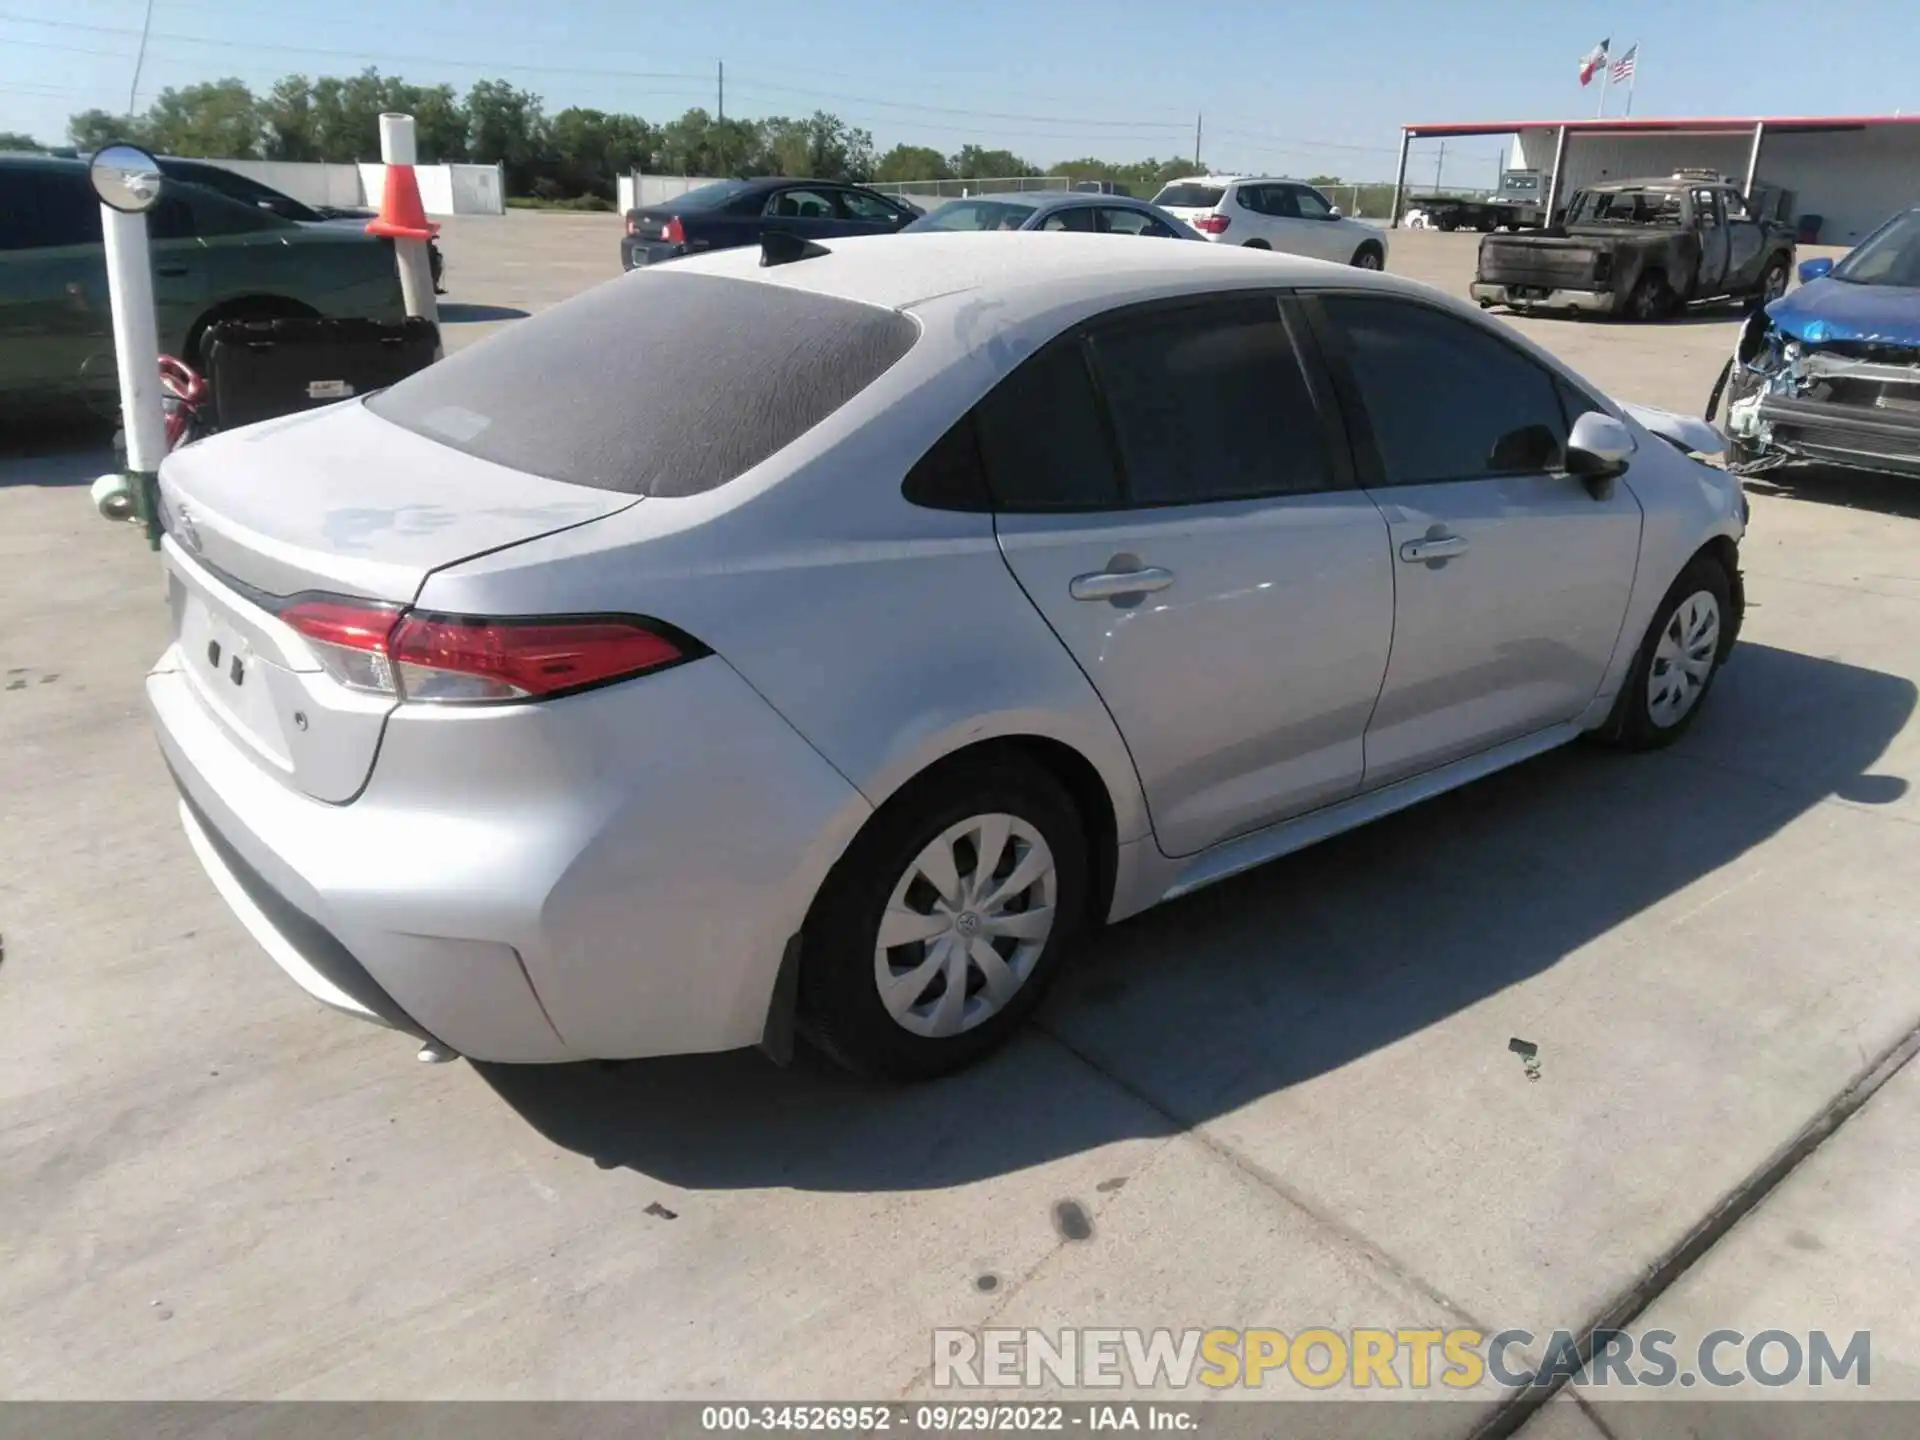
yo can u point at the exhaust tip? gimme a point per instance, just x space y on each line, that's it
433 1053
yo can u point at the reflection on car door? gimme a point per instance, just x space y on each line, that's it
1189 531
1712 230
1512 579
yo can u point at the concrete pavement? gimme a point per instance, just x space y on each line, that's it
1288 1101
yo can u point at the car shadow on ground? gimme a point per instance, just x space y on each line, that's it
1830 485
1287 972
75 453
455 313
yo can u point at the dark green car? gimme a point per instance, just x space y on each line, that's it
213 259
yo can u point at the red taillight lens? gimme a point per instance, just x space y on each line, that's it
446 658
449 659
673 232
633 227
1212 224
349 638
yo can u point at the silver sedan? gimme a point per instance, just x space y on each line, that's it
823 639
1056 210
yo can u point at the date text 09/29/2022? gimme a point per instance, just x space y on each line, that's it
947 1419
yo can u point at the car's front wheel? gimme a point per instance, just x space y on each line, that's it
1677 660
940 929
1369 257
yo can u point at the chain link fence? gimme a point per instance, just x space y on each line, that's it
984 185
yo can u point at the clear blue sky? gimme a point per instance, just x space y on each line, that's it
1291 89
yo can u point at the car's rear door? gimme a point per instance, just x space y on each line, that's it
1511 577
1174 495
808 211
1127 220
54 316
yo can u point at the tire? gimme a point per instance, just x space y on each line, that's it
1005 799
1368 257
1656 709
1650 299
1773 284
1256 245
245 311
1448 223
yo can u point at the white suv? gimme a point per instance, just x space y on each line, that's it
1266 214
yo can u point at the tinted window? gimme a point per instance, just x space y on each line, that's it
236 186
951 476
708 197
43 207
862 206
1446 399
1311 204
1074 217
1190 197
1044 439
801 205
214 214
1889 256
581 392
975 215
1117 221
1209 403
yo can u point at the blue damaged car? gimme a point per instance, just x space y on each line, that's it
1831 371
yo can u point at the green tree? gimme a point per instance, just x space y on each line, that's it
91 129
217 119
288 122
17 141
822 146
589 149
912 162
975 163
440 122
507 127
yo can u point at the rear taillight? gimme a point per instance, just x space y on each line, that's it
1212 224
633 226
673 232
458 659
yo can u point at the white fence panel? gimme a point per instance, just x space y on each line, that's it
313 184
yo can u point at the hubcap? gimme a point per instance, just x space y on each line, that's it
1776 285
1683 659
965 925
1369 261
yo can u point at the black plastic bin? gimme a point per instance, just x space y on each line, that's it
261 369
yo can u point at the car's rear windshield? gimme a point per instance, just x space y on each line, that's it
707 197
1190 197
659 383
1628 207
976 215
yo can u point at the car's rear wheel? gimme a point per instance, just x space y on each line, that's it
1369 257
1650 299
1257 245
1677 660
940 929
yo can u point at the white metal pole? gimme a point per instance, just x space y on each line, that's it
1633 77
1606 75
416 270
1400 180
136 338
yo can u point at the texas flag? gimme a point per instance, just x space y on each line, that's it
1596 58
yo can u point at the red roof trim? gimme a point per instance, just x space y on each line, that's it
1707 123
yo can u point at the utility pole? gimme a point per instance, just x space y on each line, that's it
720 117
720 107
1439 165
1197 119
139 59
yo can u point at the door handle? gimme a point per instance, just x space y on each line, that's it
1434 547
172 271
1119 584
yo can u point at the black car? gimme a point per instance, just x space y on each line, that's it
730 213
249 191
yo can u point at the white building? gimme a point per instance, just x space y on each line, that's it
1853 171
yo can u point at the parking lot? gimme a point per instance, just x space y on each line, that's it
1287 1101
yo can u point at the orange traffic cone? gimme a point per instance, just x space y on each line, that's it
402 215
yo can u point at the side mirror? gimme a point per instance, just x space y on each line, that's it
1333 212
1811 270
1599 449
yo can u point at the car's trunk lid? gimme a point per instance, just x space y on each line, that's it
336 502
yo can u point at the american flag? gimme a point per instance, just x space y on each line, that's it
1623 67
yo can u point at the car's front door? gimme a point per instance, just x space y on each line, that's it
1511 577
1319 227
1710 223
1077 218
1125 220
867 214
1746 244
1173 495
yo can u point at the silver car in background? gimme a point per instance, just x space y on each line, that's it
1073 211
826 637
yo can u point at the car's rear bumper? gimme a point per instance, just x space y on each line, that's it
611 875
1541 297
636 251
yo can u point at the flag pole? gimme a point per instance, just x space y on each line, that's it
1606 75
1633 77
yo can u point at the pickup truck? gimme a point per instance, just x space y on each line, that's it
729 213
1641 249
